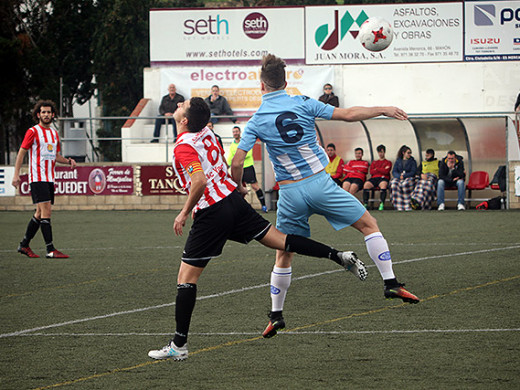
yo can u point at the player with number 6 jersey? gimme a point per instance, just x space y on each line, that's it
286 125
220 214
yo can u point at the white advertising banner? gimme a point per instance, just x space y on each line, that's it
6 178
241 85
492 31
212 36
426 32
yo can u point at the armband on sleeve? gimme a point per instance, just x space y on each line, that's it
193 167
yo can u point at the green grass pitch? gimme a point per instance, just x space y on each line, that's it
89 321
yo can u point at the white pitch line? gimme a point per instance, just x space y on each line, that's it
337 245
217 295
295 333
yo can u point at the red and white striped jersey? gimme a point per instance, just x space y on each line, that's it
204 148
43 145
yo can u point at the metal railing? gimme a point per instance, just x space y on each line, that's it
86 142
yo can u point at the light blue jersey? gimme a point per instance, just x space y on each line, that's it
286 125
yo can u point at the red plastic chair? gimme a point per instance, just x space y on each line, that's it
478 180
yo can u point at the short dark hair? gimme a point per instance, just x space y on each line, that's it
39 105
197 114
452 152
272 72
431 151
360 149
213 86
381 148
327 85
236 127
331 145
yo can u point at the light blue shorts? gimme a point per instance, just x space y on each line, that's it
317 194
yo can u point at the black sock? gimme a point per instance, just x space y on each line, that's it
383 195
32 229
47 233
184 304
366 194
260 195
391 282
275 315
308 247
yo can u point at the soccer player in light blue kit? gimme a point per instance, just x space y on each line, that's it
286 125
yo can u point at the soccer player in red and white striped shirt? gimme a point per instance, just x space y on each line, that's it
43 144
220 214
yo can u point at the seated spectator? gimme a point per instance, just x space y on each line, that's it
218 105
167 108
423 194
403 181
218 137
451 174
335 166
379 177
355 172
328 96
249 175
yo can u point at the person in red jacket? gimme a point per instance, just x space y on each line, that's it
355 172
380 176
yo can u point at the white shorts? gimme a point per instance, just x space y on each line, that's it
317 194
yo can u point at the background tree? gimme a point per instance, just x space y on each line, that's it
42 42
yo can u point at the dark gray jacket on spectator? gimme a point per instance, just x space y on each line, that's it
446 174
168 104
219 106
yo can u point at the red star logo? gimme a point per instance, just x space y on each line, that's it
378 35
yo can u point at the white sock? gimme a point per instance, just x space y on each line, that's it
280 282
378 251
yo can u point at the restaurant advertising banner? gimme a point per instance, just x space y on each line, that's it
101 180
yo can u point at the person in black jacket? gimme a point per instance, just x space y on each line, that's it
328 96
451 173
167 108
218 105
517 104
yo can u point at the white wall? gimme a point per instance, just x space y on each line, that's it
432 88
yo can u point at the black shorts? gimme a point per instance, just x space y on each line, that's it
355 180
249 175
42 191
230 219
377 180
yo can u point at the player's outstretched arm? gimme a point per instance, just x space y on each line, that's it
358 113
